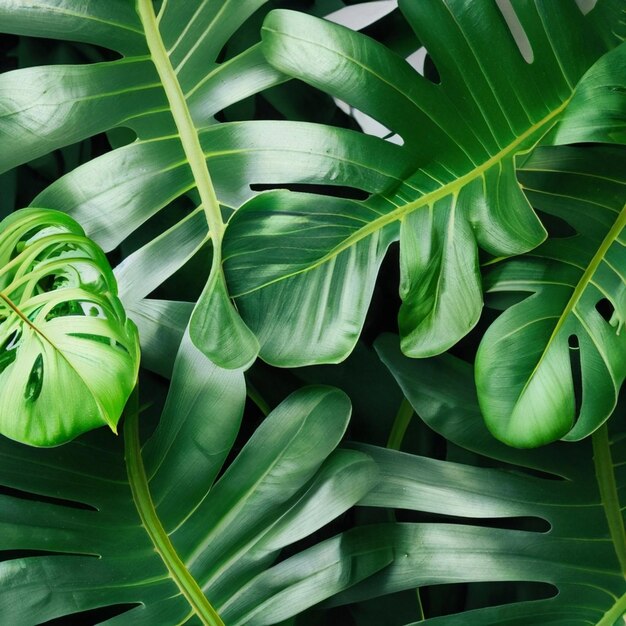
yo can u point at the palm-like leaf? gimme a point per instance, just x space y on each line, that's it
191 537
167 88
583 554
68 355
527 364
294 260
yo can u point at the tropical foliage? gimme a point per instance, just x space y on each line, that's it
62 327
305 204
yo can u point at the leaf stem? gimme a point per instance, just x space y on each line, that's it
612 617
608 492
400 424
145 507
184 123
257 398
396 436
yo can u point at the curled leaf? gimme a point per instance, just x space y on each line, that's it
68 354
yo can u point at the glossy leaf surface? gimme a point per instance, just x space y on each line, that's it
597 111
555 346
68 355
582 554
219 537
450 187
167 89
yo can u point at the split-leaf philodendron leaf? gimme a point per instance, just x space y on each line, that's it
297 261
597 112
68 354
578 492
555 346
167 88
152 527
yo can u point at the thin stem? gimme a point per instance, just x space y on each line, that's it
396 436
608 492
145 507
400 424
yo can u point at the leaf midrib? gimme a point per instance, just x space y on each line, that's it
579 289
425 200
138 482
605 476
184 123
39 332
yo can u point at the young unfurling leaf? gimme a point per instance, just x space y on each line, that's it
68 354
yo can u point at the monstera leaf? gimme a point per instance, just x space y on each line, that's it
68 355
582 554
167 89
506 72
157 531
597 111
554 346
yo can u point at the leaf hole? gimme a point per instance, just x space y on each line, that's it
93 616
577 376
53 282
368 124
34 384
417 59
572 341
351 193
12 555
430 70
586 6
526 523
516 29
8 350
11 341
37 497
360 16
556 226
35 233
605 308
447 599
108 341
81 308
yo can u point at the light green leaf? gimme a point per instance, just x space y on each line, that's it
528 361
68 355
451 185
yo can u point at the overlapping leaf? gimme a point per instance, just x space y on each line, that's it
217 538
597 111
583 554
555 346
298 261
68 354
167 89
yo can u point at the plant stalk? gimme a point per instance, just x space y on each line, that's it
394 442
145 507
608 492
184 123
